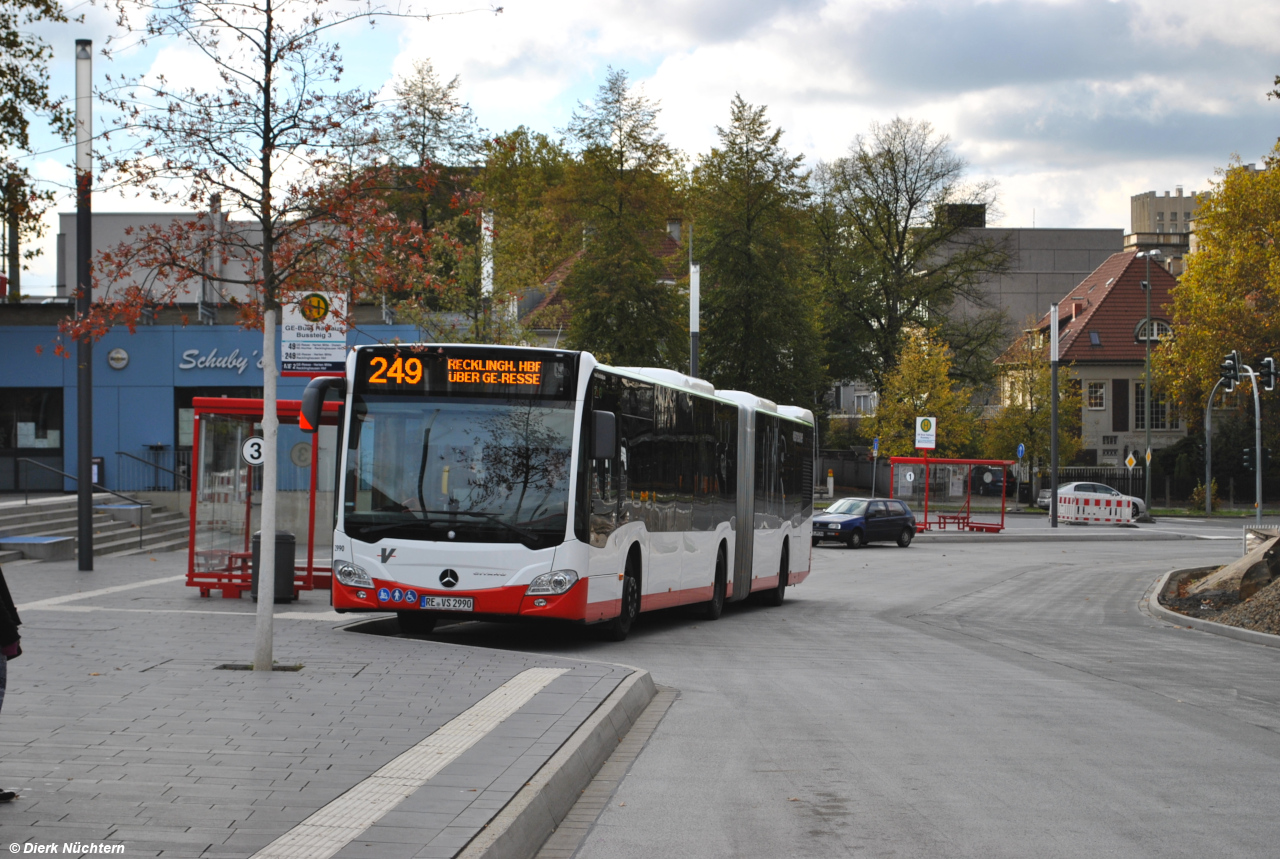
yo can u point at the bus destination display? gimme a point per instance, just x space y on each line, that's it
463 372
494 372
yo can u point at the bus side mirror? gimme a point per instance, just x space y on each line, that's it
604 435
313 400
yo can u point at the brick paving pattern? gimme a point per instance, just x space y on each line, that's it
118 729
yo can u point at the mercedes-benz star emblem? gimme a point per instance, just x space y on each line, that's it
449 578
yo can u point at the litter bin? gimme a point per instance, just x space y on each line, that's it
285 544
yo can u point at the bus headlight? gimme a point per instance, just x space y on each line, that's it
349 574
555 582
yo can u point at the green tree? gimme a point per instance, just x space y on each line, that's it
899 202
1025 412
24 96
761 322
1229 296
921 386
622 187
533 230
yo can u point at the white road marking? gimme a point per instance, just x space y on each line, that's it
343 820
66 598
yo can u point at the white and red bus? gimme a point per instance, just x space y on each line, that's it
486 481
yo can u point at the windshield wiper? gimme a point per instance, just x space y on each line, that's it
492 517
387 526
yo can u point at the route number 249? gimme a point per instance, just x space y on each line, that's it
400 371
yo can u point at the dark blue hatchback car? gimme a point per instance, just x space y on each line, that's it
856 521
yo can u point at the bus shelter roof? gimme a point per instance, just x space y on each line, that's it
286 410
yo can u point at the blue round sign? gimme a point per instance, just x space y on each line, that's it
1022 451
383 594
397 595
411 596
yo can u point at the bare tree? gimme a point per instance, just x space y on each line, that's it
266 136
900 211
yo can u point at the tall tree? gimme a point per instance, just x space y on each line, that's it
522 181
623 307
903 209
24 96
431 124
761 322
1229 296
1025 412
260 136
920 385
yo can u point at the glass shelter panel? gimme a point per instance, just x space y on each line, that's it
228 500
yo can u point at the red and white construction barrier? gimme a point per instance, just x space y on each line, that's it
1094 508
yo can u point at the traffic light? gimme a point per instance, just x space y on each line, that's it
1248 459
1230 369
1267 374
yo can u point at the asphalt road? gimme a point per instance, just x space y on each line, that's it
985 700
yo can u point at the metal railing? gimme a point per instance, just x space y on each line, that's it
146 473
27 493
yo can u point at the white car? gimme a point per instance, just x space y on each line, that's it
1101 489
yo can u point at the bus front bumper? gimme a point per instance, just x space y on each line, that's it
510 601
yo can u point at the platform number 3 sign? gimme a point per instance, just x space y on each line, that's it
253 451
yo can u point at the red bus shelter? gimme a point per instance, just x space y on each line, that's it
226 494
966 494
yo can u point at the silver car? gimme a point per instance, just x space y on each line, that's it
1086 488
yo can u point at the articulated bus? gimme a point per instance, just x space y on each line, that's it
493 481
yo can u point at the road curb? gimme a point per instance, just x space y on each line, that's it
1158 611
519 830
1053 537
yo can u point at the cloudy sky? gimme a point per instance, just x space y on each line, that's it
1070 105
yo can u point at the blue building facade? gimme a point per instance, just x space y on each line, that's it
143 384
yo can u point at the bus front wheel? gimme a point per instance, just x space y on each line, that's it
618 628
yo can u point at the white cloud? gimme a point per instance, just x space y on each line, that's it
1072 105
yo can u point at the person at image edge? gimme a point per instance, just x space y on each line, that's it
10 648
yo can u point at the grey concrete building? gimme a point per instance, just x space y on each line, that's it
1045 263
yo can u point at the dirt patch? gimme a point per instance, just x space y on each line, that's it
1261 612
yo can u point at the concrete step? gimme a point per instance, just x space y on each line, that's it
152 538
6 557
167 531
104 525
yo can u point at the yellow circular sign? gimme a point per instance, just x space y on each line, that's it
925 424
314 307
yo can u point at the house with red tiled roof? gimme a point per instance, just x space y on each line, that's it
1102 336
549 317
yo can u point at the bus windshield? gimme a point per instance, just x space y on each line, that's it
447 469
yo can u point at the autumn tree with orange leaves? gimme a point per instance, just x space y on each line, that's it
267 136
1229 296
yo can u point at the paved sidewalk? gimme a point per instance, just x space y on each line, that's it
118 729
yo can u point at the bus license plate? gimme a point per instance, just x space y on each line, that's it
448 603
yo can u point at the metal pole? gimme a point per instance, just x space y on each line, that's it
1053 415
1208 450
1257 441
84 297
695 278
1147 393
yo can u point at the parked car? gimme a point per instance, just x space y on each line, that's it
1044 498
1092 489
857 521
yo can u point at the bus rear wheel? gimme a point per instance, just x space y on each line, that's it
618 628
415 622
775 596
713 608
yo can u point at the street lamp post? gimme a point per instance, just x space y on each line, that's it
1146 391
